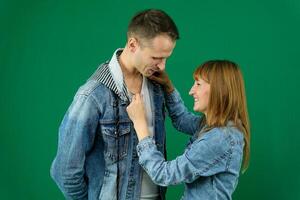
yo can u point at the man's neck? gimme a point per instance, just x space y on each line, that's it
127 68
132 77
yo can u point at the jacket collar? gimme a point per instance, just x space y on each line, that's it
110 75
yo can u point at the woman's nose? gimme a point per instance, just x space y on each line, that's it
191 92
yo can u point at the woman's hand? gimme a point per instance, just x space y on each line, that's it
162 78
136 113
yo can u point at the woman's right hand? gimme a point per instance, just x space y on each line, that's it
136 112
162 78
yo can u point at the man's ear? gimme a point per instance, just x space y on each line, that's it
132 44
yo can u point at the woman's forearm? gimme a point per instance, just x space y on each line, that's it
141 129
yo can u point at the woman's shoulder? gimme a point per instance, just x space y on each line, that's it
228 134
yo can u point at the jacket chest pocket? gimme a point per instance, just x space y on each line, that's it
115 142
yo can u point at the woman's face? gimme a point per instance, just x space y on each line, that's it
200 91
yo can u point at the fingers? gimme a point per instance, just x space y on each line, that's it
160 77
137 97
133 97
135 109
155 78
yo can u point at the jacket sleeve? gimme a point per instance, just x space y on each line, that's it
182 119
76 137
205 157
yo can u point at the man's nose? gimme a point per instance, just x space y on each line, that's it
162 65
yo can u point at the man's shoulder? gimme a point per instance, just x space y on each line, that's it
93 85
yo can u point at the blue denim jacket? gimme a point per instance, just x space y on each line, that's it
90 151
210 164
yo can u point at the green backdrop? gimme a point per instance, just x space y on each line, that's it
49 48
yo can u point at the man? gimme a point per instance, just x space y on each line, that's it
96 157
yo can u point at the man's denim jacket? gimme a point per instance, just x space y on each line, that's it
210 164
91 152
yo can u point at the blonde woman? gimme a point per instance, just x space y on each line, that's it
220 138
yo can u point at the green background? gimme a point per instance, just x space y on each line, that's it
49 48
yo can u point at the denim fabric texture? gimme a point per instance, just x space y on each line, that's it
210 164
91 153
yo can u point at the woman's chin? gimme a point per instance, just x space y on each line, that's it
195 109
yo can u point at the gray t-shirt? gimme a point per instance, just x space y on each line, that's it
149 190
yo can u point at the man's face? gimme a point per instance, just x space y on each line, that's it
151 55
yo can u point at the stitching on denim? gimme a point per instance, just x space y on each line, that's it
216 161
232 143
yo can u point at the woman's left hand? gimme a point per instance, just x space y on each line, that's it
136 113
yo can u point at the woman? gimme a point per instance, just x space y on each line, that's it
219 147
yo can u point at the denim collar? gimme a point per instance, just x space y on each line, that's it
110 75
116 72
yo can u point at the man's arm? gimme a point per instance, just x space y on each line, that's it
76 138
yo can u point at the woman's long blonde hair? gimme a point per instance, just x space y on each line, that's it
227 100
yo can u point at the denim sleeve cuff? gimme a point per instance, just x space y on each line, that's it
145 143
173 97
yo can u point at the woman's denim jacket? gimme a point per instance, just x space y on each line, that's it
91 152
210 164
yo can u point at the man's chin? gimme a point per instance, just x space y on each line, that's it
147 74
